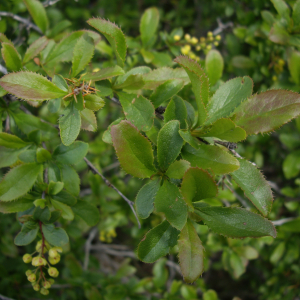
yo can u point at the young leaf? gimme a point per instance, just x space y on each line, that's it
199 82
21 204
134 150
211 157
66 211
9 156
148 26
157 242
60 82
134 71
70 179
104 73
70 154
132 82
255 187
291 165
38 13
138 110
107 135
19 181
214 65
35 48
196 185
236 222
296 13
42 214
11 141
114 35
42 155
144 201
177 169
169 144
28 234
89 213
190 253
228 96
65 197
176 110
31 86
93 102
88 120
279 107
83 53
55 187
11 57
188 138
169 201
191 114
55 236
294 65
58 28
69 124
282 9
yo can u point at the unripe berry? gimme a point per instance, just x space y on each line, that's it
216 44
187 37
198 48
59 249
53 272
27 258
52 252
218 37
38 245
36 287
208 47
194 40
38 261
202 39
176 37
31 278
54 260
28 272
51 280
46 284
44 291
209 34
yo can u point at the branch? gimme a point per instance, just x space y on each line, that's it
50 2
5 298
130 203
88 245
3 70
21 20
283 221
221 26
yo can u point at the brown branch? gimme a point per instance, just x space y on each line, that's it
88 244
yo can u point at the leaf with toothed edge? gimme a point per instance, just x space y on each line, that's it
21 204
236 222
35 48
114 35
11 141
27 234
176 110
178 168
11 57
104 73
254 185
88 120
31 86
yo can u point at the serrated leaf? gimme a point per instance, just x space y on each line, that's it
148 25
66 211
169 143
65 198
132 82
214 65
134 150
104 74
107 135
35 48
78 101
88 120
279 107
89 213
21 204
42 214
69 124
169 201
28 234
114 35
134 71
38 13
157 242
200 85
236 222
138 110
196 185
211 157
294 65
11 141
291 165
60 82
55 236
176 110
9 156
93 102
188 138
19 181
55 187
190 253
254 185
11 57
144 201
4 39
83 53
177 169
70 179
228 96
30 86
42 155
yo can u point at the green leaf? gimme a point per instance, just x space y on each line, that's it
190 253
42 155
177 169
21 204
294 65
211 157
296 13
200 85
254 185
104 74
282 9
11 57
30 86
188 138
93 102
70 154
169 201
144 201
65 197
224 129
42 214
28 234
134 151
291 165
157 242
78 101
242 62
69 124
166 91
88 120
18 181
60 82
214 65
236 222
59 27
279 34
196 185
55 236
35 48
11 141
28 156
55 215
66 211
176 110
148 26
138 110
83 53
38 13
169 143
210 295
277 253
279 107
71 180
114 35
228 96
89 213
132 82
55 187
9 156
107 135
134 71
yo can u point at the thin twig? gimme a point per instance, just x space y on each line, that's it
50 2
5 298
221 26
21 20
283 221
130 203
7 127
88 244
3 70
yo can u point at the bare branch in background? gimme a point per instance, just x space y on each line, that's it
282 221
5 298
50 2
88 245
221 26
3 70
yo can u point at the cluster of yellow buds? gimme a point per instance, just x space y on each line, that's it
278 67
37 276
107 236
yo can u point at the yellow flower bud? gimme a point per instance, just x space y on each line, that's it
52 252
198 48
216 44
187 37
192 56
194 40
202 39
197 58
27 258
208 47
274 78
176 37
209 34
281 62
218 37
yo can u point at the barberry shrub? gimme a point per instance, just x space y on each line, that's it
183 146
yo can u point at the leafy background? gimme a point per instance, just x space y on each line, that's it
263 268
